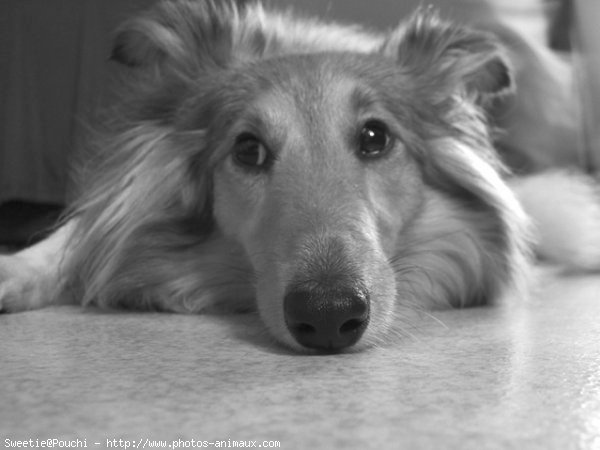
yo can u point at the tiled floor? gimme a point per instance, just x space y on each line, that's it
525 376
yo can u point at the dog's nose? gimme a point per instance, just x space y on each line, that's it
327 320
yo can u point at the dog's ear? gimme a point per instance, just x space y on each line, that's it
186 34
449 56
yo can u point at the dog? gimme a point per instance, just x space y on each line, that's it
329 176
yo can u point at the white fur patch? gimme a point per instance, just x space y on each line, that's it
565 209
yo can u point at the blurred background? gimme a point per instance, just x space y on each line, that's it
54 72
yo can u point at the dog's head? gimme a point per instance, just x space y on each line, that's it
355 181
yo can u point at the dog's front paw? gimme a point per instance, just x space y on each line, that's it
21 285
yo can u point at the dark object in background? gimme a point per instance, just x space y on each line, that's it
53 75
561 24
24 223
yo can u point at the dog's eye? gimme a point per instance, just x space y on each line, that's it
250 152
374 140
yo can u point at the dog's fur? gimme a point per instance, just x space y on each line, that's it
170 217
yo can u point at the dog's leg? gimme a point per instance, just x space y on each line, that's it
32 278
565 208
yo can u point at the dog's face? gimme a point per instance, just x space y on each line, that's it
316 182
354 182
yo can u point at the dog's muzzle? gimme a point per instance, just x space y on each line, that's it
327 319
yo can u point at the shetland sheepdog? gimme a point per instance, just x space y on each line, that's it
326 175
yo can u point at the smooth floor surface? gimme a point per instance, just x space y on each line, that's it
513 377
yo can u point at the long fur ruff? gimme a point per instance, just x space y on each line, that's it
166 220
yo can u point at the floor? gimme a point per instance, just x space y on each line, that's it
521 376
